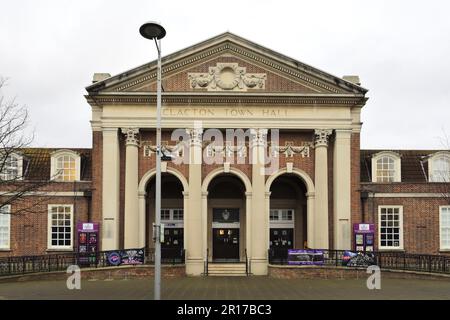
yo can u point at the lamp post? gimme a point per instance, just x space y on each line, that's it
154 31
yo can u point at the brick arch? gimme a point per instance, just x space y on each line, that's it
149 174
216 172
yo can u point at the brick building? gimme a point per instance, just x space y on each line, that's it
298 178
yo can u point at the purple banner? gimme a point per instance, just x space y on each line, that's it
363 228
305 257
87 227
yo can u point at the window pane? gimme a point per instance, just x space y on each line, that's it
390 227
61 217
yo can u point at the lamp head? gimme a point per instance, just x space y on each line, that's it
152 30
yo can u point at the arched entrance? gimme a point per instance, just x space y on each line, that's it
288 218
226 204
290 211
172 212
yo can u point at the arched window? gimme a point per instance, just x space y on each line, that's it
12 167
386 167
65 166
439 167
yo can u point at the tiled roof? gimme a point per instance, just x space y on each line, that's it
36 163
414 164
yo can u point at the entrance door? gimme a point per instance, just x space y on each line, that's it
172 247
282 238
226 244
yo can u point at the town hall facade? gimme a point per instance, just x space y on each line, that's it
266 152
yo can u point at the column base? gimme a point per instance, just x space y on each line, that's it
259 267
195 267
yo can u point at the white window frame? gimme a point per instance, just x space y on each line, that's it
49 228
171 220
60 153
400 240
4 176
431 160
279 223
7 208
442 247
397 165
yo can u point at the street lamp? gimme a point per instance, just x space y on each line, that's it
154 31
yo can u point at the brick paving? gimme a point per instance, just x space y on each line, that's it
233 288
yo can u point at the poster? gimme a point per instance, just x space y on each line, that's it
353 259
125 257
305 257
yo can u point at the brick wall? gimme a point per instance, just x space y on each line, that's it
29 228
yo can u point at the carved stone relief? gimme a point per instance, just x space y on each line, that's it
227 77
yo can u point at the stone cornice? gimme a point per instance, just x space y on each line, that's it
215 99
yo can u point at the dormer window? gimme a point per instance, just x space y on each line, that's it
439 167
65 166
12 167
386 167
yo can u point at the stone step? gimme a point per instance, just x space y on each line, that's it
226 269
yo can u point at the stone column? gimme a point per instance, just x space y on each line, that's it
248 223
205 244
185 213
194 218
342 190
259 213
321 234
310 219
110 189
142 218
132 231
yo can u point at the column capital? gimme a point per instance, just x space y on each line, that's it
248 194
310 195
204 194
195 135
258 137
131 135
142 194
321 137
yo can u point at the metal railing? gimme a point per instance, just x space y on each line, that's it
385 260
16 265
205 268
246 263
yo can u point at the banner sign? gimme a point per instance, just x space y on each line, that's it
353 259
305 257
125 257
87 242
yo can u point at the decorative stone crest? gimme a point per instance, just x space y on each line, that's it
226 77
321 137
131 135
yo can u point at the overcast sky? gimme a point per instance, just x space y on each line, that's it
49 50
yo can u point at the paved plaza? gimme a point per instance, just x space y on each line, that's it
231 288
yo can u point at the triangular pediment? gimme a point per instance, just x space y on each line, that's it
228 64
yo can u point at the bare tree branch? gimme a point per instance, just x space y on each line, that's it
15 186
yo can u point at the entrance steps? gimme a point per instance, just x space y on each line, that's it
227 269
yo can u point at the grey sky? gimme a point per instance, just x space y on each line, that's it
400 50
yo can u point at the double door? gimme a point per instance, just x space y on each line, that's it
225 244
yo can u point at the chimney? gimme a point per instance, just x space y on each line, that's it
352 79
100 77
